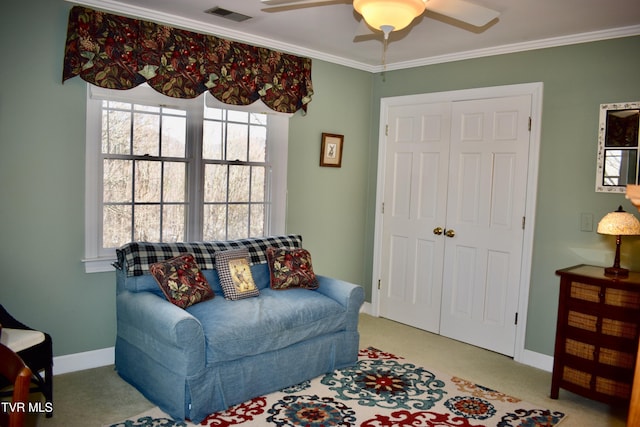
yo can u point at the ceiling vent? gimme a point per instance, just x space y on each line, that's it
227 14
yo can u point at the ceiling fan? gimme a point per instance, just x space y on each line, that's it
394 15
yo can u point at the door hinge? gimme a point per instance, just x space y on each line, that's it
516 321
386 130
529 124
382 207
378 284
524 220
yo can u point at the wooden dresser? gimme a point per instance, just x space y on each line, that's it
597 334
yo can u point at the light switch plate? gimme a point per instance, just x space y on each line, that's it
586 222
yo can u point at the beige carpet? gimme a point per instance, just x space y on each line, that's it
381 389
96 397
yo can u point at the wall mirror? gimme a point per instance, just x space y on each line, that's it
618 146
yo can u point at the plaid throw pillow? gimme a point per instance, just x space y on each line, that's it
181 280
136 257
235 274
291 268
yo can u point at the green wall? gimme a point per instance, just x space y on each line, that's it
327 205
42 133
577 79
42 191
42 155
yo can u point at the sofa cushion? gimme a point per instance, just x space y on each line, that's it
272 321
291 268
181 280
235 274
261 277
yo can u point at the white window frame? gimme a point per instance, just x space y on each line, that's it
99 260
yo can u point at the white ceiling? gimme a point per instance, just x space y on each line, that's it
328 32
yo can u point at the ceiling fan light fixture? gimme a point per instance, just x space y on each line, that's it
389 13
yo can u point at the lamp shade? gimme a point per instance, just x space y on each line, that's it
619 223
389 13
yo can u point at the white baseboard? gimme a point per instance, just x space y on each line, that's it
367 308
537 360
82 361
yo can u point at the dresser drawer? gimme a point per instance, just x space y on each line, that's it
584 382
609 297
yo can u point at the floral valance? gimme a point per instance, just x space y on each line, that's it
117 52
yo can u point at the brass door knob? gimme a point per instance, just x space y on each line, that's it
450 233
438 231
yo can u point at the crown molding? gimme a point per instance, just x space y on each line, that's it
193 25
517 47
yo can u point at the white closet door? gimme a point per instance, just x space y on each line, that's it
415 190
485 210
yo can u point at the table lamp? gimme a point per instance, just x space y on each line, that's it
618 223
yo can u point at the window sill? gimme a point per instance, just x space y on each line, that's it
98 265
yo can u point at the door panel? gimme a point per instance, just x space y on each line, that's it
414 204
485 207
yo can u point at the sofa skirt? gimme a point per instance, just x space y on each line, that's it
229 383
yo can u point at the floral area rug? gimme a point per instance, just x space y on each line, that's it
380 390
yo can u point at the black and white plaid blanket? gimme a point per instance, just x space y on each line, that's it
136 257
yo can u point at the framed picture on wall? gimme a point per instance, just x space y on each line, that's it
331 150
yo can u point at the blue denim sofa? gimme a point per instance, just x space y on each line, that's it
217 353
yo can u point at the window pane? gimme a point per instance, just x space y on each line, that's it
212 113
215 224
237 116
212 136
116 228
237 138
174 136
215 183
174 182
258 144
258 184
258 118
257 221
146 134
117 181
147 182
239 183
238 225
116 131
173 223
174 112
147 223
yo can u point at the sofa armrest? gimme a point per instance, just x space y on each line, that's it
166 333
348 294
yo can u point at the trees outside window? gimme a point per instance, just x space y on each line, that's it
176 170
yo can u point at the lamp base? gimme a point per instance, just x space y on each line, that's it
616 272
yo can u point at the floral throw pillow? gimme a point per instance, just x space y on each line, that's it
235 275
181 280
291 268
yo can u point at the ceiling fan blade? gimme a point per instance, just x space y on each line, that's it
464 11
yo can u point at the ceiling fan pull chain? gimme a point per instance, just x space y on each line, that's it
386 29
384 56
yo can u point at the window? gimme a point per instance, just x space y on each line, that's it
165 169
618 147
